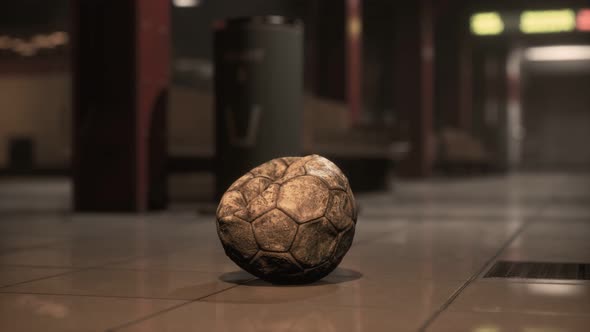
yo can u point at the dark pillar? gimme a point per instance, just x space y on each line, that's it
336 44
120 77
453 67
414 54
465 93
330 50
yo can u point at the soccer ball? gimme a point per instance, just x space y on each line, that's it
290 220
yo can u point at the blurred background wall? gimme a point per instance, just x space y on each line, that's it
485 106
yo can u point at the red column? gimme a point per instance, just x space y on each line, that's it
414 84
354 58
120 77
152 74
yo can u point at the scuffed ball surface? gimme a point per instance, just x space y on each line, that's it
290 220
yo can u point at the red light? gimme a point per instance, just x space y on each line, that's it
583 21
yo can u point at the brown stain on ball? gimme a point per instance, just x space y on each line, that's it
289 221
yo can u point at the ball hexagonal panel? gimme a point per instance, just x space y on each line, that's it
236 236
314 243
304 198
274 231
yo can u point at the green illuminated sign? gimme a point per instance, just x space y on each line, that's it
486 24
547 21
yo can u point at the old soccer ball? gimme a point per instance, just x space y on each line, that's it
290 220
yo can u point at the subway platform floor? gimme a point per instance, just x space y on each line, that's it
417 264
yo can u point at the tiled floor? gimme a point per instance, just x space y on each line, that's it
417 264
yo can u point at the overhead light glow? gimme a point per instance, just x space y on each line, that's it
30 47
354 26
483 24
583 21
558 53
555 289
547 21
186 3
487 328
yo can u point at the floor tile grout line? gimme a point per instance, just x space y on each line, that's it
572 282
14 250
71 271
158 313
39 266
151 269
376 237
474 277
74 269
105 265
45 277
94 295
525 313
500 250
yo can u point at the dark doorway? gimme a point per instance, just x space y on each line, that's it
556 116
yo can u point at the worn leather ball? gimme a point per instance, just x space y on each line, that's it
288 221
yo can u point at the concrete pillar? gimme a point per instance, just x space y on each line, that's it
120 80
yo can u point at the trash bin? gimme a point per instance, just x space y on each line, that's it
258 93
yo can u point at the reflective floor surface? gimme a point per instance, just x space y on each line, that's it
417 264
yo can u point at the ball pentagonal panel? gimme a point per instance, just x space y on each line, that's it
297 168
263 203
231 202
290 160
304 198
319 271
274 231
273 169
273 265
353 205
237 237
240 181
340 210
254 187
344 242
314 242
